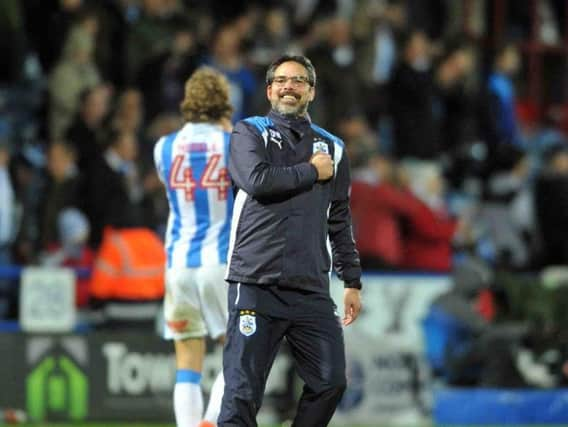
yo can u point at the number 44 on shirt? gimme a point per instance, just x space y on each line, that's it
214 178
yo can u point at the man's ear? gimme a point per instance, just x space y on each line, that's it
312 93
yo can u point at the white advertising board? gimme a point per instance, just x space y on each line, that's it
47 299
388 379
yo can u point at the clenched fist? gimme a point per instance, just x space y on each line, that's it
323 164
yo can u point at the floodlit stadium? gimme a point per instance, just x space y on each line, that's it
157 161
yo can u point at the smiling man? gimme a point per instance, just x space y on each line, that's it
290 220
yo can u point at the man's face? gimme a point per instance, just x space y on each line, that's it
290 93
59 161
512 61
4 157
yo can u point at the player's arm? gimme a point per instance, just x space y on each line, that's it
250 169
158 163
345 257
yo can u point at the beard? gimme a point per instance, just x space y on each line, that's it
298 109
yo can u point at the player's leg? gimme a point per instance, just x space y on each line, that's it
213 296
251 345
188 396
316 342
215 397
185 325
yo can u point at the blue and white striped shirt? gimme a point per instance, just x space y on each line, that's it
7 207
192 164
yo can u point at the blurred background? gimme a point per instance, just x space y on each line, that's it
455 118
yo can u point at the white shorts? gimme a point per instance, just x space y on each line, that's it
195 302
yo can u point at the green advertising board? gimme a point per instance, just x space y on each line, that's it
57 387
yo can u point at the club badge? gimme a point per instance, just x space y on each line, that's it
247 322
320 146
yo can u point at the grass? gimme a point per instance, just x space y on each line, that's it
265 425
40 424
129 425
86 424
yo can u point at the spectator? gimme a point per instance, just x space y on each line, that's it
7 229
227 57
334 56
71 249
28 183
430 231
75 71
378 206
48 24
498 120
272 38
377 27
87 129
412 96
551 207
127 282
161 79
110 51
152 33
504 187
129 113
62 190
454 115
114 189
461 344
12 41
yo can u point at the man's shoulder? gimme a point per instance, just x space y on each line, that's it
165 140
259 123
327 135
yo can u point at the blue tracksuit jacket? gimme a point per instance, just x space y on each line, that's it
287 227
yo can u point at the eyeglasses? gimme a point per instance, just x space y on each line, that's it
295 80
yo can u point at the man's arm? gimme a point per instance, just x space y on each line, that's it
250 169
158 161
345 257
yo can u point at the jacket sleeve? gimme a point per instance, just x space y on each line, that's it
345 256
251 170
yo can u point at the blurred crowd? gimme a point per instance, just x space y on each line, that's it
449 157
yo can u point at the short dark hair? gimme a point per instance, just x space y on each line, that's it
300 59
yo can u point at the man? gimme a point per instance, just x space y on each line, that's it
8 224
114 193
291 209
192 163
411 97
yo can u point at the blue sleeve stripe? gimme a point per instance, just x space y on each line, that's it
225 233
188 376
167 150
197 163
328 135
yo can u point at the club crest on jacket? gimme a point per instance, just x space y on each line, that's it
320 146
247 322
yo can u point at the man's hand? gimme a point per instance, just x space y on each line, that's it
323 164
352 304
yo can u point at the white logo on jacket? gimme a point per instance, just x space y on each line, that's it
275 137
247 322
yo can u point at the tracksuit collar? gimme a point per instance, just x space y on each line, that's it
298 125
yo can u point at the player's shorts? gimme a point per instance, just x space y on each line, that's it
195 302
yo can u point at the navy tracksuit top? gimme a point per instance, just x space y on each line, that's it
288 227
